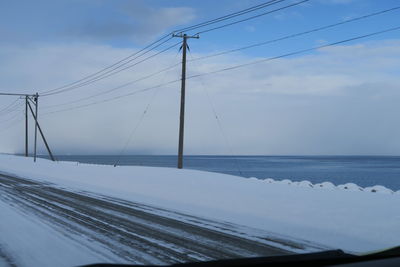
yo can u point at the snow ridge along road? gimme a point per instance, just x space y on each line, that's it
120 231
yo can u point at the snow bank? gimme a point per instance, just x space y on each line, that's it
346 218
329 185
378 189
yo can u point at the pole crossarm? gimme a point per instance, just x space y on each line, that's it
181 35
12 94
32 99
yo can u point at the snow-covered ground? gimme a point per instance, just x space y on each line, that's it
343 217
35 243
46 225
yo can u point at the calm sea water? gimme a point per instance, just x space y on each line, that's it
362 170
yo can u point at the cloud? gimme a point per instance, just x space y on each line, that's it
151 22
112 22
134 21
340 100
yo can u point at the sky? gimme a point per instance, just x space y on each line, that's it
336 100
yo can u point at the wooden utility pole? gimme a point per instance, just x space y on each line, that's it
35 99
26 126
183 85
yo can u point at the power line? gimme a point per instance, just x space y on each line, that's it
110 66
242 48
294 53
296 34
157 43
4 129
233 67
110 74
11 118
236 50
223 133
15 94
115 88
100 77
229 16
114 98
253 17
219 123
15 108
9 106
135 128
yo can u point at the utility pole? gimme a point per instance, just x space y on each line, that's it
27 97
26 126
35 99
41 133
183 85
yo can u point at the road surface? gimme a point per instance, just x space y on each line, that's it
135 232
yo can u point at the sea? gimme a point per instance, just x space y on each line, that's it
364 171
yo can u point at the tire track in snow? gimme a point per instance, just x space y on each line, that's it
127 229
5 259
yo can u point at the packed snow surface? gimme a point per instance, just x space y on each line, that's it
31 231
346 217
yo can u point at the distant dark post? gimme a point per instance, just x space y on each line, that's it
26 126
183 87
36 99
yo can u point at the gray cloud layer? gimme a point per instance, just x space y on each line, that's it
112 22
342 100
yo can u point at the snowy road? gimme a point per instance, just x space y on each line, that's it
121 231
